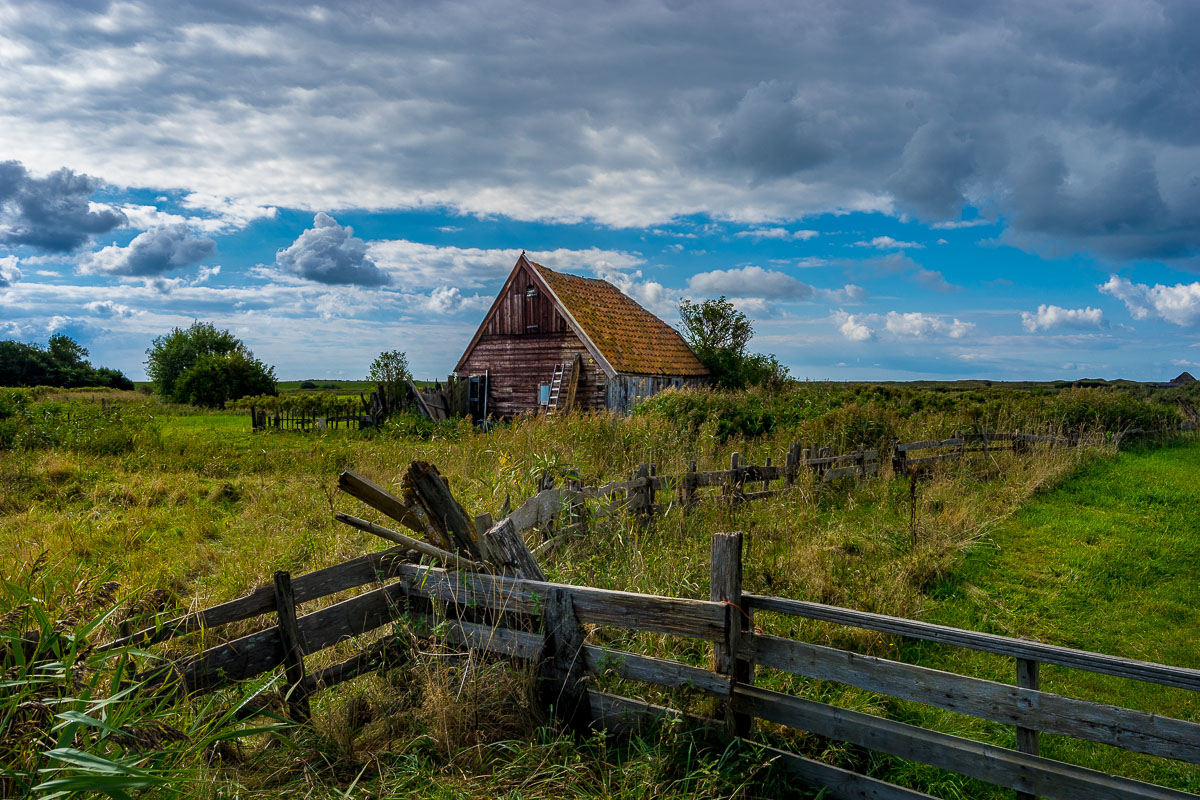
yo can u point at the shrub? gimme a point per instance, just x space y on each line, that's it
205 366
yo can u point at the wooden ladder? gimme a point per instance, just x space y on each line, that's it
555 388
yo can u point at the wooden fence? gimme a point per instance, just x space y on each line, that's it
646 492
540 622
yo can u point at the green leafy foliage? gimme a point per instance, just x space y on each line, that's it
61 363
206 367
718 334
390 370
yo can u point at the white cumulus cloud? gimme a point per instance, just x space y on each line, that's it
1050 316
851 327
1178 304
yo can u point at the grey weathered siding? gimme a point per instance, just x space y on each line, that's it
624 391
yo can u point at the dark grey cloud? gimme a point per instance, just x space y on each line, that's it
1077 124
151 254
772 133
331 253
52 213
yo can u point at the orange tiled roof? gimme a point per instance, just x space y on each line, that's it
629 337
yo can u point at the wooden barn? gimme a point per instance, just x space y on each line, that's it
554 342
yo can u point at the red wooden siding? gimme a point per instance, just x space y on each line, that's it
521 315
517 365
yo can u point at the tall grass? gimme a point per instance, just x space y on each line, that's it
192 509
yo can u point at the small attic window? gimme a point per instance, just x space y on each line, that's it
531 291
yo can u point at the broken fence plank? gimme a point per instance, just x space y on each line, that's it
407 541
381 499
425 486
508 551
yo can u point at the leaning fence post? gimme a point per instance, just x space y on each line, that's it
293 651
1027 738
725 586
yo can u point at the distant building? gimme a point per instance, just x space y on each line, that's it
553 342
1182 379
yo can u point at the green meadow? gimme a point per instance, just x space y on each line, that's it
117 510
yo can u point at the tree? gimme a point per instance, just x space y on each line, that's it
213 379
718 334
715 326
62 362
390 370
205 366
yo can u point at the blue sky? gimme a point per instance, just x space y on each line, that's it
890 191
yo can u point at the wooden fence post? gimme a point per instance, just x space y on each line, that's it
767 481
576 506
899 459
725 586
640 495
789 465
737 477
562 669
293 651
1027 738
689 485
650 490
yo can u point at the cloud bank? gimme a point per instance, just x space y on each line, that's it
1072 123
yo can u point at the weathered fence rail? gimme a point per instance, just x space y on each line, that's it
478 610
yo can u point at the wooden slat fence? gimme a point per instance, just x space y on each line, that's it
451 601
646 492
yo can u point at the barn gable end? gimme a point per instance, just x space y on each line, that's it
542 319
